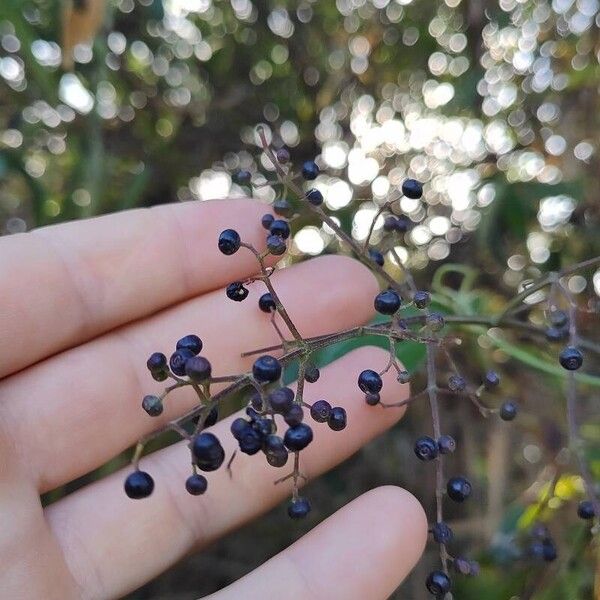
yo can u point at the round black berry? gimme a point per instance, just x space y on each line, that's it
208 452
446 444
411 188
283 208
320 411
236 291
376 257
549 552
298 508
152 405
157 362
337 419
370 382
283 156
266 303
422 299
310 170
229 241
372 399
281 400
196 484
491 380
178 360
311 373
190 342
457 383
276 245
315 197
585 510
298 437
403 377
559 318
275 451
389 223
458 488
139 485
438 583
266 369
442 534
267 220
426 448
509 410
571 358
280 228
238 426
387 302
435 321
198 369
250 440
294 416
242 177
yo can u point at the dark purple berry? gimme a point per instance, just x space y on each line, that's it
157 362
249 440
310 170
236 291
229 242
446 444
267 220
435 321
280 228
281 400
294 416
559 318
198 369
190 342
178 360
298 437
207 451
242 177
276 245
238 426
152 405
370 382
389 223
412 188
426 448
320 411
491 380
139 485
438 583
457 383
458 488
549 552
442 534
196 484
283 156
315 197
585 510
298 508
337 419
554 334
422 299
571 358
508 410
266 303
282 208
266 369
387 302
372 399
311 373
376 257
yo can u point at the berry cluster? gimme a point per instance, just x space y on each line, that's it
276 418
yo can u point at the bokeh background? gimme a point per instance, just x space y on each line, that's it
107 105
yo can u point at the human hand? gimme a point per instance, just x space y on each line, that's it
83 305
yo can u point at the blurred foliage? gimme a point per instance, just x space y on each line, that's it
114 104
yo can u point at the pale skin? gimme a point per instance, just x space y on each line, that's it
82 306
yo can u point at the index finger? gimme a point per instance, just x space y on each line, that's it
68 283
